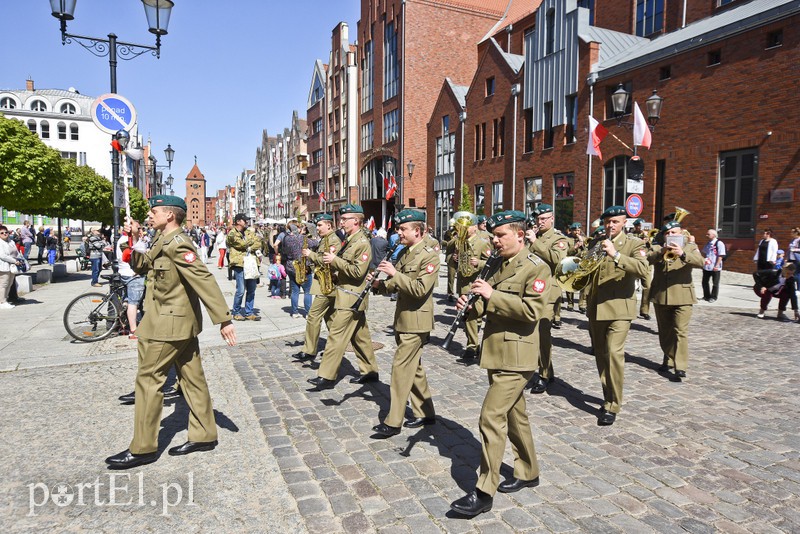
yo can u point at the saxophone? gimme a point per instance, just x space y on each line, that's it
463 220
323 272
300 269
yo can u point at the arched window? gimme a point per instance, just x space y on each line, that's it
38 105
32 125
615 173
62 130
7 103
44 127
68 108
73 132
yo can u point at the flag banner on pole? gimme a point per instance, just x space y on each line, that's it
371 224
322 197
641 132
134 153
389 185
597 132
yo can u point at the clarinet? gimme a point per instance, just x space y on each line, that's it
471 297
375 273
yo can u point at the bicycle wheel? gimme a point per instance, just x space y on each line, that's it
92 317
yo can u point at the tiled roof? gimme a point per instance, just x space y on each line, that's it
729 22
489 7
195 174
514 11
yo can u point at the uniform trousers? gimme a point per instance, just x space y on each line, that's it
451 279
347 325
608 340
472 324
155 359
673 333
644 306
321 308
544 327
557 310
409 379
503 415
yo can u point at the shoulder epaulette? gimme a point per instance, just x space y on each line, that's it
536 260
428 249
179 238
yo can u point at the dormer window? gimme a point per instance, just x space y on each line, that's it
7 103
38 105
68 108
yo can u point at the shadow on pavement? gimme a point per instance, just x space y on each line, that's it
574 396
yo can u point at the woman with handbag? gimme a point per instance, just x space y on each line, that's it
10 260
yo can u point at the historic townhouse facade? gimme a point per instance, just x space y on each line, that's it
280 173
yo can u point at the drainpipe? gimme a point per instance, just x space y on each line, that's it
515 90
463 118
401 163
590 81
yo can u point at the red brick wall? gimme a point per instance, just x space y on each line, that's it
316 141
446 104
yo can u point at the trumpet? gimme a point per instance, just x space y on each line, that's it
573 273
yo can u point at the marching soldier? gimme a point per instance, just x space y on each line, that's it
176 283
551 246
469 267
483 231
673 295
513 300
612 307
576 247
644 305
351 265
324 303
413 279
452 265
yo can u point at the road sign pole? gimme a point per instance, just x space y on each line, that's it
112 65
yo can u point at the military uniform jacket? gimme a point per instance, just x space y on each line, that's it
351 266
612 294
510 340
176 283
416 277
330 243
672 281
551 246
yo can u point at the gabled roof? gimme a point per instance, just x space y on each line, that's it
613 43
732 21
515 10
195 173
514 61
459 91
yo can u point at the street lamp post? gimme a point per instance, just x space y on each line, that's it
157 13
156 184
398 206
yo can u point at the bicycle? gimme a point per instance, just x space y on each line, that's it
95 316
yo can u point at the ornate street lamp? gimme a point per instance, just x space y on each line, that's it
619 101
400 179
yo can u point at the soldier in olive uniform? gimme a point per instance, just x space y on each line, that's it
324 303
644 306
577 247
551 246
176 283
449 241
513 299
351 265
612 307
483 231
469 267
673 295
413 279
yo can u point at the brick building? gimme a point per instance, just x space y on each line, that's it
196 196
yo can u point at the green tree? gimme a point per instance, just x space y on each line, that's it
466 199
32 177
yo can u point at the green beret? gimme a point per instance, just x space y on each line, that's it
481 219
167 200
323 217
599 231
410 216
541 209
575 226
505 217
638 221
670 225
351 208
613 211
669 216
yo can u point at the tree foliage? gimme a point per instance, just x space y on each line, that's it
466 199
32 177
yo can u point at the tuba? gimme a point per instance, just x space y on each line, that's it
300 268
463 220
323 273
680 214
573 273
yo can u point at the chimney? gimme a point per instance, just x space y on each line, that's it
29 85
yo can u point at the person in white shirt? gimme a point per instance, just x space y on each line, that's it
134 284
767 252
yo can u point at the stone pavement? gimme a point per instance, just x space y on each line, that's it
717 452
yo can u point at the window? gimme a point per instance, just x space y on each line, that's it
615 173
317 126
32 126
480 141
528 130
550 31
62 130
38 105
588 4
73 132
665 73
68 108
490 86
391 126
316 157
445 149
564 184
775 38
714 58
498 137
367 136
367 65
548 125
571 109
649 17
44 126
533 194
69 155
8 103
480 199
497 197
390 70
738 175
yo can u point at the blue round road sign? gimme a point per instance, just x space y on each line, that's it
634 205
112 112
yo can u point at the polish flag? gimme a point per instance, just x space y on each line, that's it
371 224
322 197
389 185
641 132
115 144
597 132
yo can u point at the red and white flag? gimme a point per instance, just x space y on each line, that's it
389 185
641 132
371 224
322 197
597 132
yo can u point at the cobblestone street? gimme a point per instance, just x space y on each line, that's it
717 452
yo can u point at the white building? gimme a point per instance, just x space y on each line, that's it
246 194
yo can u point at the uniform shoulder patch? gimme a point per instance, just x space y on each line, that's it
364 257
430 268
561 244
642 252
539 285
189 257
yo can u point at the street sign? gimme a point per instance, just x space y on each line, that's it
112 112
634 186
634 205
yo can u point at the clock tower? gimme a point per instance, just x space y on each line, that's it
196 196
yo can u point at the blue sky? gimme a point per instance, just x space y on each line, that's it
228 69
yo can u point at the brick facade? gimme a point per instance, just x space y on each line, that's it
196 197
